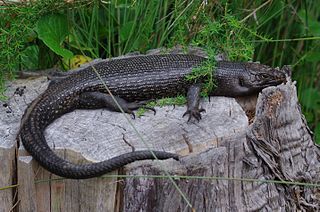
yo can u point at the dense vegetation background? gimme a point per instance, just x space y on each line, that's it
47 33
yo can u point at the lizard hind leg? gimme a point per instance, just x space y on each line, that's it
96 100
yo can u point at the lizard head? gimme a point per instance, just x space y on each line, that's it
262 76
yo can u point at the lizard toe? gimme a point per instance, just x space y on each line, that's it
194 113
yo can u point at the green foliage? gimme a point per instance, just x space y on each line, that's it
29 57
215 30
290 24
118 27
310 98
223 35
310 22
178 100
17 34
317 133
52 30
2 87
204 73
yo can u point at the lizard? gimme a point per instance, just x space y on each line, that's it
133 81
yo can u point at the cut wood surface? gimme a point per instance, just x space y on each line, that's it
276 146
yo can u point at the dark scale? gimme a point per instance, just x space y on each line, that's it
133 82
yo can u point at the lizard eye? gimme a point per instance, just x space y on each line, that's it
264 76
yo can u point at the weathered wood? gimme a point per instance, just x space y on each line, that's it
40 190
9 124
7 177
276 146
280 146
26 184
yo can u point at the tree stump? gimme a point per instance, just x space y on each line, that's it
227 163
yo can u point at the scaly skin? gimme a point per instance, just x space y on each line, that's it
130 79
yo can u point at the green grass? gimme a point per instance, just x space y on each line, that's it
273 32
176 101
296 21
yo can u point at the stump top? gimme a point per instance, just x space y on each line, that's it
93 133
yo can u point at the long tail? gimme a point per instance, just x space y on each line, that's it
35 143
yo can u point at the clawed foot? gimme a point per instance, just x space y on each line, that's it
143 104
139 104
196 113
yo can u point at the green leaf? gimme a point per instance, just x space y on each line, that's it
310 98
52 30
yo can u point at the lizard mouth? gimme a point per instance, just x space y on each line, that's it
272 82
278 78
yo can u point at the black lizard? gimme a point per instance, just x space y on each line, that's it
132 81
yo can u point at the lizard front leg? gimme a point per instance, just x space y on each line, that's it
193 101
